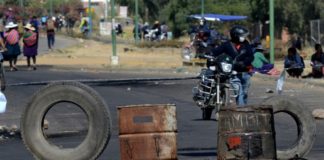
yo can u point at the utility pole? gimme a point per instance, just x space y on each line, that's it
21 2
271 4
136 22
202 8
90 18
114 57
106 11
51 7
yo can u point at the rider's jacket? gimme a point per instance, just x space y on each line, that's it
242 54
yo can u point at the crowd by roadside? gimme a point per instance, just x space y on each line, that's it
21 36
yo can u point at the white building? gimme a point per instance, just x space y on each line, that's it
101 7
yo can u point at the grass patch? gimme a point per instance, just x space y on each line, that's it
161 44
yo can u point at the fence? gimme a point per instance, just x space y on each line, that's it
317 31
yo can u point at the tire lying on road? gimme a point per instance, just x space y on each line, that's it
306 125
88 100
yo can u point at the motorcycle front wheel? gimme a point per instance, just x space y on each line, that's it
206 113
226 101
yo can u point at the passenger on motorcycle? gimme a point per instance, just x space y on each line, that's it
240 50
145 29
317 62
157 27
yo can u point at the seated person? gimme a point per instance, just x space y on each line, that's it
260 63
294 63
317 62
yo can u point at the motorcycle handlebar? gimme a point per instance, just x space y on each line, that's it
209 57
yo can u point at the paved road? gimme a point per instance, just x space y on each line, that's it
197 139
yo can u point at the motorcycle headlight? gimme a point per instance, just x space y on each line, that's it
226 67
213 68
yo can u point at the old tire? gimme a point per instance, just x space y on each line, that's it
83 96
306 125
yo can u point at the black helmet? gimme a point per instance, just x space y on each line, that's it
238 34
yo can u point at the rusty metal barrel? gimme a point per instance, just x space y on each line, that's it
246 133
148 132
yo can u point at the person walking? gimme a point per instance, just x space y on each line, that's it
12 45
30 45
50 30
84 27
34 22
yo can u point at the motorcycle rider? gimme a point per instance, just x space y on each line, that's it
157 27
239 49
145 29
203 40
203 25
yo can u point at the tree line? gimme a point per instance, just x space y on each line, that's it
25 9
293 14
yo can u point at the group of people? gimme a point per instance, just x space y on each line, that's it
11 47
18 38
156 32
294 63
249 59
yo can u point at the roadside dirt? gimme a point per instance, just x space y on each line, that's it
96 55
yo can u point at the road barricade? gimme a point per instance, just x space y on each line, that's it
148 132
246 133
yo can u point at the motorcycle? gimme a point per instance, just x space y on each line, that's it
151 35
200 45
214 89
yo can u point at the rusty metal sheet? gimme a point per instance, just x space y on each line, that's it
148 146
147 118
246 133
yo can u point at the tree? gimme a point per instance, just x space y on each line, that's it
295 15
145 8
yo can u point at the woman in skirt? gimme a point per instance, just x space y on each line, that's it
30 45
12 45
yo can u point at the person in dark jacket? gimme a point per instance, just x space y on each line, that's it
239 49
317 62
294 63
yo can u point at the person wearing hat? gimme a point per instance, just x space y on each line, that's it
260 63
30 45
157 27
12 45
